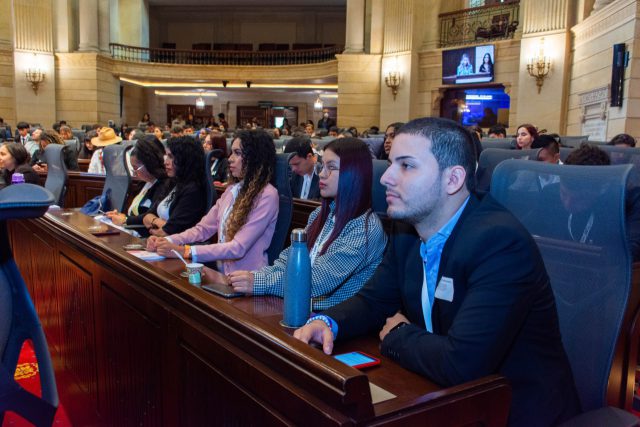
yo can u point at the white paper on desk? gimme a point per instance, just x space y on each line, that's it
378 394
106 220
146 255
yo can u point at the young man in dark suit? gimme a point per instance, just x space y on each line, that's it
305 183
462 291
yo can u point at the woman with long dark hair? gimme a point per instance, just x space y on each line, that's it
14 158
244 217
147 162
345 239
487 64
185 204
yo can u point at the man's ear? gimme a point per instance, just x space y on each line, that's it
455 177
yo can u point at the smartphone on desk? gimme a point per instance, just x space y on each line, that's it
357 359
222 289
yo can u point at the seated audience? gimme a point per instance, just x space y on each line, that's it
345 238
14 158
24 137
220 165
525 136
87 149
623 140
144 122
147 162
186 203
106 136
333 131
389 134
302 160
66 134
39 161
462 291
549 149
497 131
244 217
177 131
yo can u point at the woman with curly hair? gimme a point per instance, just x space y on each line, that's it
244 217
185 204
39 161
345 238
147 161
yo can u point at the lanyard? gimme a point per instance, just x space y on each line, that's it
587 228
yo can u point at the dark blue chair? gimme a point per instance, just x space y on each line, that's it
589 267
56 172
18 319
281 180
378 191
491 157
118 179
212 195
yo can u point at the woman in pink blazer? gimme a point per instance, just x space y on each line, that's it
244 217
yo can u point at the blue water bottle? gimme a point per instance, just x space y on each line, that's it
297 285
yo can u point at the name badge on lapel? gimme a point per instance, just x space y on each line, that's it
444 291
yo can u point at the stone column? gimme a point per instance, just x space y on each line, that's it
354 42
88 17
104 25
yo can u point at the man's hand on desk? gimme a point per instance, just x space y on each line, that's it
391 323
316 331
242 281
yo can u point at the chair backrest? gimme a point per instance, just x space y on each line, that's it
564 153
212 195
504 143
625 156
378 191
491 157
56 181
577 220
18 318
573 141
73 145
281 180
79 134
118 178
375 144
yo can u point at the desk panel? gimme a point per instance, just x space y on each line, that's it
134 343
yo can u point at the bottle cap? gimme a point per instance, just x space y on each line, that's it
298 235
17 178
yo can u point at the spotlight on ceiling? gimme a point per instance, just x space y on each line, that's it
225 83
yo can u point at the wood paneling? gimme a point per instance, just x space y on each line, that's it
141 346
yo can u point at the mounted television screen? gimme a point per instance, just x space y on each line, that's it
468 65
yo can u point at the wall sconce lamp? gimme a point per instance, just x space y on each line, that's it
538 67
318 105
392 80
35 77
248 84
225 83
200 103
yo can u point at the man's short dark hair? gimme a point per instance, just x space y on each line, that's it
300 146
548 142
588 155
623 139
497 130
177 129
451 144
23 125
334 129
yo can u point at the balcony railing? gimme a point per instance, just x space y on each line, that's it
479 23
213 57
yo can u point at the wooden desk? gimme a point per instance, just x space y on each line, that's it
135 343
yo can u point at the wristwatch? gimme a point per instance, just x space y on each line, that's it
398 326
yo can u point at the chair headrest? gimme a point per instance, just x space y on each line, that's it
24 201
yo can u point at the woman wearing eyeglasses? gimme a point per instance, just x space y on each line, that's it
345 238
147 161
244 217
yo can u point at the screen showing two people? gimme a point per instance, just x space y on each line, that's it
468 65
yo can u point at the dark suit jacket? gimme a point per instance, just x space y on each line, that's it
326 124
296 186
502 318
188 206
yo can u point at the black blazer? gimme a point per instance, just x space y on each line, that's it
502 318
188 206
155 194
296 186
